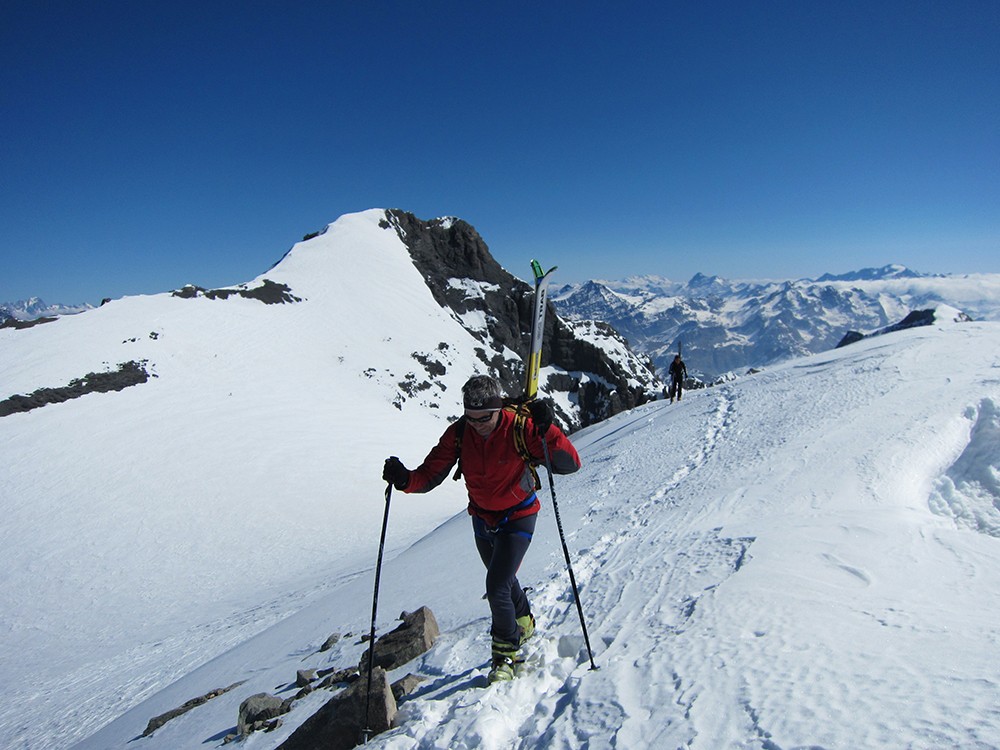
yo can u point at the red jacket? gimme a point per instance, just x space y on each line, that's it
496 477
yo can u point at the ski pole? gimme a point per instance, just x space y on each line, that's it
569 565
367 731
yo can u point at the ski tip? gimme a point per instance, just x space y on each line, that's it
536 269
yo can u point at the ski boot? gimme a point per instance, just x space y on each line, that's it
504 658
526 627
505 654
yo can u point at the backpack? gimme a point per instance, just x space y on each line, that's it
520 411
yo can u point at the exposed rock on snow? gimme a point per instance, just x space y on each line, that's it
268 292
127 374
342 719
330 642
406 685
915 319
414 636
158 721
331 677
22 324
258 710
339 724
598 372
304 677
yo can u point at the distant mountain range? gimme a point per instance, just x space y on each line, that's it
35 308
891 271
724 325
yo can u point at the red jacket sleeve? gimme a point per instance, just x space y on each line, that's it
438 463
562 453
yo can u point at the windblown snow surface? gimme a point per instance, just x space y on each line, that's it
805 558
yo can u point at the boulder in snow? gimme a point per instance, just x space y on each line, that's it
339 724
304 677
158 721
414 636
259 709
403 687
330 642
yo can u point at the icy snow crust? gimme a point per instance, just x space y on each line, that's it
801 558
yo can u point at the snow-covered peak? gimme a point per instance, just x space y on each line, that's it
701 281
947 314
350 251
890 271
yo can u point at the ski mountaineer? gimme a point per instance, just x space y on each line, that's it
678 371
502 499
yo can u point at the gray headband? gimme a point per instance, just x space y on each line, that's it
489 403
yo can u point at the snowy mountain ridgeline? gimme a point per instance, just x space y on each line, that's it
726 326
588 369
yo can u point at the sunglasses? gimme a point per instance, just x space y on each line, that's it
480 420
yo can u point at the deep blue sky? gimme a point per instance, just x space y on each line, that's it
145 144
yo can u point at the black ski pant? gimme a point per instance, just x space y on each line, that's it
502 550
676 388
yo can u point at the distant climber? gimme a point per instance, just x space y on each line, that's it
678 371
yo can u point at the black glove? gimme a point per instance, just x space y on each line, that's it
541 415
396 473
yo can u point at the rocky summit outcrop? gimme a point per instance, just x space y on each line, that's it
601 374
267 291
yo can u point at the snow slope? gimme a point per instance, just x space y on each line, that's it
146 531
808 557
